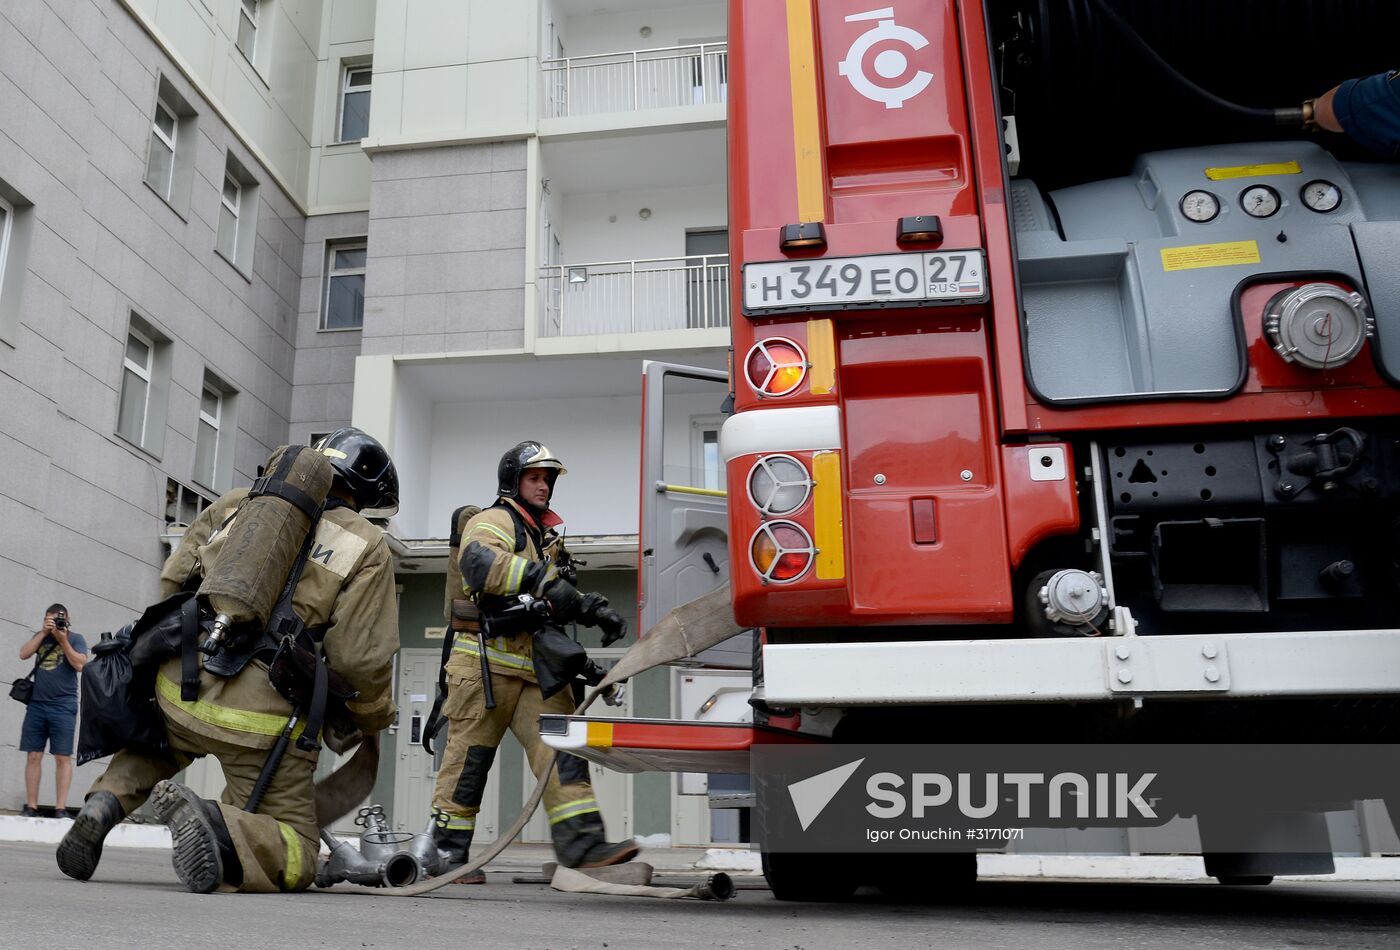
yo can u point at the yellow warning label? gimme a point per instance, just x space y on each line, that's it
1210 255
1254 171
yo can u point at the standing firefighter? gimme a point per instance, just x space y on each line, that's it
508 550
345 598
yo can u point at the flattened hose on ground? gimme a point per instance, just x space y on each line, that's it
685 631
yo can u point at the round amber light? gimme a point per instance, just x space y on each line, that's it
775 367
781 551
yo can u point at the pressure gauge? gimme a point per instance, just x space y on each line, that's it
1321 196
1259 201
1200 206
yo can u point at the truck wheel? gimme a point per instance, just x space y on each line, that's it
925 878
1245 880
809 877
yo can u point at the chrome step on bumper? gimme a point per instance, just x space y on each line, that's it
1229 665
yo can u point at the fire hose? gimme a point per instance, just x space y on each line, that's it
684 632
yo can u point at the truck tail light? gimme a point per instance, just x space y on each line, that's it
775 367
781 551
779 484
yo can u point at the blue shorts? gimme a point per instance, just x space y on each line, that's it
51 722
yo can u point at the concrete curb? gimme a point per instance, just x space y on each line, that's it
52 830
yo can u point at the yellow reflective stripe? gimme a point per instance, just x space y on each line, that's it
806 121
600 735
567 810
453 823
821 352
239 720
497 532
292 876
514 660
517 573
826 507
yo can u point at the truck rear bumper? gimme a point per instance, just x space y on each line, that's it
1237 665
661 745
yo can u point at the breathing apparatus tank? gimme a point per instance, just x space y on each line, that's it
243 586
453 589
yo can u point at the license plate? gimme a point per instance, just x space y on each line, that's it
876 280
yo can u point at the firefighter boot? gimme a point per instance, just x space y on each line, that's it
204 856
579 843
81 847
453 846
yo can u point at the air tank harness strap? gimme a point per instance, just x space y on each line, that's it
189 649
274 483
284 625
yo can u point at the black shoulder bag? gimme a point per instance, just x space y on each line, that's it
22 689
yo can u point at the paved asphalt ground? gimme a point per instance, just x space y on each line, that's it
135 901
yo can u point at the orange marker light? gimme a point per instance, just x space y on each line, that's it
775 367
781 551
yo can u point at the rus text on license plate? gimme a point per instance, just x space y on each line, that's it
888 279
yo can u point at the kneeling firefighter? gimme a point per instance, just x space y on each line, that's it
257 699
510 549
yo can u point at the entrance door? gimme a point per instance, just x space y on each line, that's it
416 771
707 278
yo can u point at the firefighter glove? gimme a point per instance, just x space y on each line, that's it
564 600
612 625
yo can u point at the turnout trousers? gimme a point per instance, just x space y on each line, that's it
278 846
473 734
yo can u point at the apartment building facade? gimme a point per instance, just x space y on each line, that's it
230 224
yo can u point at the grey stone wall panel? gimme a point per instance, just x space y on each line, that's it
82 508
508 156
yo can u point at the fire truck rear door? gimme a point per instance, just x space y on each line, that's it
684 511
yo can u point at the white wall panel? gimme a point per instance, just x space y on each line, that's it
589 235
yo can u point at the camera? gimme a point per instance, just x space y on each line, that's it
60 623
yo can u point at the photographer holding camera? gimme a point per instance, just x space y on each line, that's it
52 715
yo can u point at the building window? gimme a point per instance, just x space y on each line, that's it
248 28
170 152
206 441
707 467
238 203
7 217
16 219
134 407
160 163
145 387
228 215
182 503
343 306
354 103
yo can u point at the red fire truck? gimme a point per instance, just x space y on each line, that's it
1064 392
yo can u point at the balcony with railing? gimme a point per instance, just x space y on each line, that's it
672 293
630 81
